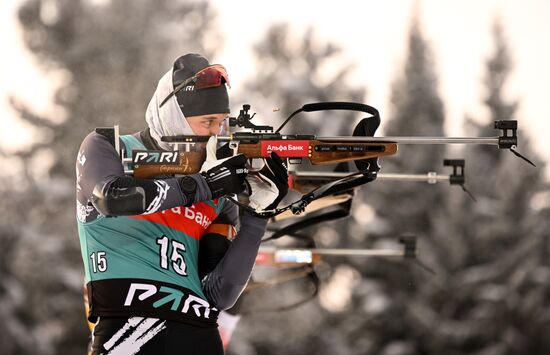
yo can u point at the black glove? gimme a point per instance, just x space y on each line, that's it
269 186
223 176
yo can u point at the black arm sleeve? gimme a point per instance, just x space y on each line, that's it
103 188
212 249
213 246
225 283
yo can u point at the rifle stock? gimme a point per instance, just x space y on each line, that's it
318 153
332 152
189 163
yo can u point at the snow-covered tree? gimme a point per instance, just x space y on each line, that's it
107 58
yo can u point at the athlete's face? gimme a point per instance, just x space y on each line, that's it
208 125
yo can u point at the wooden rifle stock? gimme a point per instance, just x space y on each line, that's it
305 185
333 152
318 152
189 163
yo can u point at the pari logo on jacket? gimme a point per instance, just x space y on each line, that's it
192 220
174 297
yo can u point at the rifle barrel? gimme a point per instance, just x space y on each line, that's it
417 140
344 252
431 177
359 252
399 140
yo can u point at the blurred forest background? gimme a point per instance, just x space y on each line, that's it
491 288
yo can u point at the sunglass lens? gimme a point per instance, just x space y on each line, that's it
211 77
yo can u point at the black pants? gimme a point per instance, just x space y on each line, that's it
151 336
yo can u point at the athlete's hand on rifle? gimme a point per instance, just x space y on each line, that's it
223 176
268 187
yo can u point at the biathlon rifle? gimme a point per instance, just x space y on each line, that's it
362 148
298 263
286 257
307 180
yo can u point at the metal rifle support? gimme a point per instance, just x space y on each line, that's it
409 246
112 134
458 177
509 138
409 251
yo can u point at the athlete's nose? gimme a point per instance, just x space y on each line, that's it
215 131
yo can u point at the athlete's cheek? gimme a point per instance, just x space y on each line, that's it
200 130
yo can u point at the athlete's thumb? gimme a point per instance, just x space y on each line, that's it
211 148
